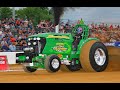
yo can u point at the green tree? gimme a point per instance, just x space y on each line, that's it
35 14
5 12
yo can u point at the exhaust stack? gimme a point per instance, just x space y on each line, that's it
58 11
57 28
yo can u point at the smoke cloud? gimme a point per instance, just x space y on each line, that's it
58 11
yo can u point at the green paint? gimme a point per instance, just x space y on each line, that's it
22 58
61 45
83 42
77 61
81 21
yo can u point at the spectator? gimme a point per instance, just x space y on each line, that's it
0 48
12 28
12 47
12 39
1 34
62 29
3 41
67 28
111 27
5 48
22 44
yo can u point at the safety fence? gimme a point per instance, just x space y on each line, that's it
11 56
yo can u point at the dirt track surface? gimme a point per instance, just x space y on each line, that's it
110 75
60 77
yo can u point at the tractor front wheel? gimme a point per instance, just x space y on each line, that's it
52 63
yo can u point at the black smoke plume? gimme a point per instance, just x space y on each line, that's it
58 11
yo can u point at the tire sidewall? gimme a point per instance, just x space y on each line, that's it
93 63
74 67
29 69
50 63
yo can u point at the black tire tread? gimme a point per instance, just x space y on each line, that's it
28 69
86 56
46 63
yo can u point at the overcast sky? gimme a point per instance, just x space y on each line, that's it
98 14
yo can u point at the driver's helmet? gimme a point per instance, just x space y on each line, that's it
79 30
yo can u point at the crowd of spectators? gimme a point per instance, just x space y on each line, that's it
47 26
106 33
14 33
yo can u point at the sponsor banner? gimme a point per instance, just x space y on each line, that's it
3 63
109 44
115 44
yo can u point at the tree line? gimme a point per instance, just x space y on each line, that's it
33 13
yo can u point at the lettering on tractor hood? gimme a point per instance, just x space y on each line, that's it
59 47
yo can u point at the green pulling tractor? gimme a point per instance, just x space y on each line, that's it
65 52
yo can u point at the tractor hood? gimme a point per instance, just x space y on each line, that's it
52 35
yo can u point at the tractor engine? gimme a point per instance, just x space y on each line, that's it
35 47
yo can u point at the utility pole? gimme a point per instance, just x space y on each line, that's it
13 13
0 12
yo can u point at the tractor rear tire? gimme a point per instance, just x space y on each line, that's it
29 69
49 63
94 56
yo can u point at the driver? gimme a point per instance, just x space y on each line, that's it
78 36
79 33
